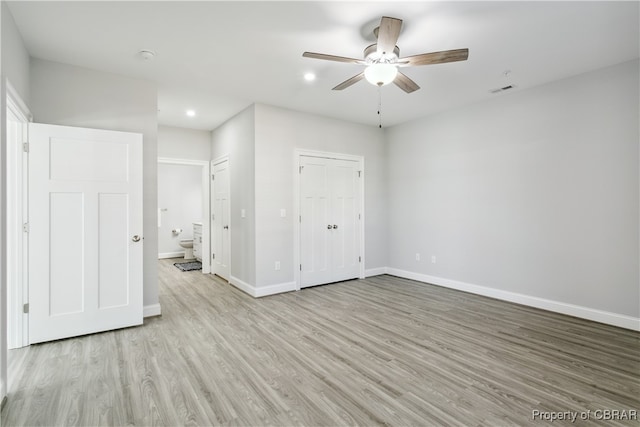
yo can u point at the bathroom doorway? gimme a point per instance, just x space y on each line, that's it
183 199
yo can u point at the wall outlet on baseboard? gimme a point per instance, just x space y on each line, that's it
277 266
433 259
417 257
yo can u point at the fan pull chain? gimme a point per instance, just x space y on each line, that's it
380 107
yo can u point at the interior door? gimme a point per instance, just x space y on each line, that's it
345 233
221 220
329 220
315 221
85 231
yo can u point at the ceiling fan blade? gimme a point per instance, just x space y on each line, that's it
332 58
345 84
405 83
435 58
388 34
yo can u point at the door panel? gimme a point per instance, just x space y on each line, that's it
101 160
66 247
329 226
113 235
314 212
85 198
346 241
222 219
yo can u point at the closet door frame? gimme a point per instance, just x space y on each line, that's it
298 153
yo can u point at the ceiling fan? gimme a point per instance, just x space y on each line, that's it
382 59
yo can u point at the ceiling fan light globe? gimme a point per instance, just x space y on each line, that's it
380 74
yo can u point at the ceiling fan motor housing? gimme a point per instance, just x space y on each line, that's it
371 55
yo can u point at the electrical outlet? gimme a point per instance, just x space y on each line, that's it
433 259
277 265
417 257
283 213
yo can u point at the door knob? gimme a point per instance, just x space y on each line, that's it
329 227
335 226
226 227
136 238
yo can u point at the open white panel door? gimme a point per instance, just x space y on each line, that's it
85 231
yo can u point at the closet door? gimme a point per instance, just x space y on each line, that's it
315 222
329 220
344 214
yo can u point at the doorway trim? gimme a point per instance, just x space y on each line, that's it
206 202
297 154
17 241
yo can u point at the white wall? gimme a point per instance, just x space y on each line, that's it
534 193
180 143
14 64
180 202
236 139
73 96
278 133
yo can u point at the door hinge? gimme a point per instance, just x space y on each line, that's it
359 217
300 169
359 172
300 267
25 308
300 218
213 256
359 259
213 217
25 227
213 177
25 147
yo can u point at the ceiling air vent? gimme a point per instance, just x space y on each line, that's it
502 89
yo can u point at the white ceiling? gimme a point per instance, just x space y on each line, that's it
219 57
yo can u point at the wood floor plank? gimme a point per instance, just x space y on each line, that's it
380 351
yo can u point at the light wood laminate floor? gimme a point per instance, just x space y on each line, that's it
381 351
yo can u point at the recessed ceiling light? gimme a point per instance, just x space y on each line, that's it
309 77
191 113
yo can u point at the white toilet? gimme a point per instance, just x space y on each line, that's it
187 244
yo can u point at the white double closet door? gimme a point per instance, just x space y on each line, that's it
329 220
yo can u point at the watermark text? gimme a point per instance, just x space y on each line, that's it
596 414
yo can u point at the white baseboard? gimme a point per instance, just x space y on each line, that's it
601 316
375 271
243 286
278 288
166 255
262 291
151 310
